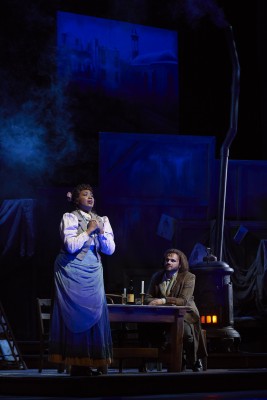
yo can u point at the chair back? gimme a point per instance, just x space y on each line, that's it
44 314
114 298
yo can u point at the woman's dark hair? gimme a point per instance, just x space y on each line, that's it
77 190
184 266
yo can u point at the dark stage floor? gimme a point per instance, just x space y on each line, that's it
131 385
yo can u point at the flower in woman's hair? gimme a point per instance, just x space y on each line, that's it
69 196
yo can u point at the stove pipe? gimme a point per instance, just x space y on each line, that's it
213 291
224 152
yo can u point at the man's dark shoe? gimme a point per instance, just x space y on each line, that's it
102 370
198 367
77 370
142 368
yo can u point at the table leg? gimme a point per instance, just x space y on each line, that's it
177 330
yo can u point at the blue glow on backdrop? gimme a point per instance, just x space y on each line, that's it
122 60
36 138
49 126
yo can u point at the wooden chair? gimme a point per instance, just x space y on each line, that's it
114 298
124 334
118 329
43 313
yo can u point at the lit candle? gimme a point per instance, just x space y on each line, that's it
143 287
124 292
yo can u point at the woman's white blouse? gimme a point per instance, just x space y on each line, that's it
73 241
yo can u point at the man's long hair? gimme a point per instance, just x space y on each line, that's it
184 266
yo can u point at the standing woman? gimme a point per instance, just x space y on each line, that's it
80 335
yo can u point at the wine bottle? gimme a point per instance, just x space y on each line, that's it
130 293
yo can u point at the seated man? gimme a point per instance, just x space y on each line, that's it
174 285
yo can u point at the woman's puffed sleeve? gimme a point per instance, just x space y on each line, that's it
106 239
69 233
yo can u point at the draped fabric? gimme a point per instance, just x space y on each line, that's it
80 292
17 227
80 330
89 348
250 285
249 262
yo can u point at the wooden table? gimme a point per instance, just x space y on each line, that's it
155 314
